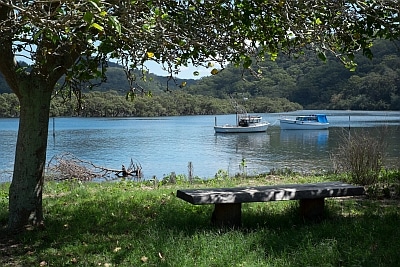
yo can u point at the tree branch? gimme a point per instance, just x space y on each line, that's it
8 64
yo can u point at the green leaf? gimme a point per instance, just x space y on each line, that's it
368 53
353 68
37 35
95 4
106 47
88 17
146 27
247 63
196 73
351 65
115 23
97 26
130 96
182 42
322 56
273 55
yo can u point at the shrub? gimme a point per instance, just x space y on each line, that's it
221 175
360 156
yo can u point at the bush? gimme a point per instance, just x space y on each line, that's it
360 156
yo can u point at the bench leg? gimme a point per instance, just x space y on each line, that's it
227 214
312 208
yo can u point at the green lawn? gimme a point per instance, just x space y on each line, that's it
139 224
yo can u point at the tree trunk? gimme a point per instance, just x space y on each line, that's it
25 203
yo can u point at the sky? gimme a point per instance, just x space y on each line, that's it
185 73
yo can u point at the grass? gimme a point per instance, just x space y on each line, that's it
138 224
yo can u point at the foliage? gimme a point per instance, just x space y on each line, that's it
360 156
9 105
221 175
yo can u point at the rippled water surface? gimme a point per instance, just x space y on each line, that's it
167 144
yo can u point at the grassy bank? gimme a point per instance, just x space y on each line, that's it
139 224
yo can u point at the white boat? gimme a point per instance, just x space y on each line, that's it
245 124
308 122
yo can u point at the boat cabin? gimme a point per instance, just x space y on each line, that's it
246 121
313 118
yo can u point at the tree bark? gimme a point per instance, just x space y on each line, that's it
25 202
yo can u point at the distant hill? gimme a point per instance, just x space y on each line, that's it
116 80
314 84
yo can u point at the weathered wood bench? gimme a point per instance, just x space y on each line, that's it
228 201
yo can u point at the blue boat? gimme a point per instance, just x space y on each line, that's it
307 122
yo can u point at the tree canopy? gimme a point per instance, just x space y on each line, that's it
77 38
82 33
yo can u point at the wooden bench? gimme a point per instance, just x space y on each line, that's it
228 201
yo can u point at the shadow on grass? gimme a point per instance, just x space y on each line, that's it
361 232
354 234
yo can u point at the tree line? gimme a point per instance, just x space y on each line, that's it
176 103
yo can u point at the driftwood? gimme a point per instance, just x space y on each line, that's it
133 170
67 167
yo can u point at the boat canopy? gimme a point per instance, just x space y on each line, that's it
322 118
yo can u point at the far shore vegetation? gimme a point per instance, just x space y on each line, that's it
113 104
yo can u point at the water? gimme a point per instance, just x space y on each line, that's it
167 144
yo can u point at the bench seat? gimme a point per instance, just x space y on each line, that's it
228 201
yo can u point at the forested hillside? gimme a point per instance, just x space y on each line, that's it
305 80
314 84
117 81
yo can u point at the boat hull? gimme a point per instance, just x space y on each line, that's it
287 124
240 129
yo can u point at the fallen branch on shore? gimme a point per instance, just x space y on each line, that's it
67 167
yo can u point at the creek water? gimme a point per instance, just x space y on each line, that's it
167 144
